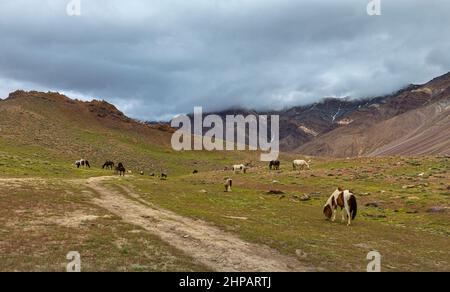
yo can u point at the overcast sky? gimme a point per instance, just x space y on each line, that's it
157 58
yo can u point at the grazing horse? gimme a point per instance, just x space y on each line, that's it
120 169
108 165
301 164
82 163
345 200
274 164
228 184
239 168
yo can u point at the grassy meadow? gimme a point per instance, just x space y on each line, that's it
48 211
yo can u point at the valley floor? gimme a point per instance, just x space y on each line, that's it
188 222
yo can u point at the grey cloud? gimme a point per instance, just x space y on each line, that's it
158 58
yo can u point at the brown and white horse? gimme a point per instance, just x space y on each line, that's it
344 199
228 184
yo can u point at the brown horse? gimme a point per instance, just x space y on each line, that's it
108 165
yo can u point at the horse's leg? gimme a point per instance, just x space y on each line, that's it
334 215
348 216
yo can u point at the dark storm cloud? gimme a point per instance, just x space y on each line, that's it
158 58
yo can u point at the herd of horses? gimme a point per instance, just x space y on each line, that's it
120 169
343 199
110 165
275 165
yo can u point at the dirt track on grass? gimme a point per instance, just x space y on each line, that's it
217 249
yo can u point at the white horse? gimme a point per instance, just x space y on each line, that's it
239 168
345 200
301 164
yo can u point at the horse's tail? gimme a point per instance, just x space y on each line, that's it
353 206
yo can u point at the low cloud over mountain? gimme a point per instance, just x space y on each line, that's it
154 59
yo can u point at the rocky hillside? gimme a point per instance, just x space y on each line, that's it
413 121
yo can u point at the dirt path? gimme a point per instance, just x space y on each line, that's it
219 250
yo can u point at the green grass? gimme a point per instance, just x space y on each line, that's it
409 238
34 239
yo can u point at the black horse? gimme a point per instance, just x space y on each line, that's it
108 165
274 165
120 169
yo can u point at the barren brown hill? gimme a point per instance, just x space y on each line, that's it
73 129
423 131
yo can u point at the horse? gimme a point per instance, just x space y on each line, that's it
300 164
274 164
344 199
120 169
164 175
240 168
195 172
108 165
228 184
82 163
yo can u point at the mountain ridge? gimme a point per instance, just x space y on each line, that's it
331 127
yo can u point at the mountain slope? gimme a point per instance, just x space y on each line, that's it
302 124
397 119
346 127
52 127
426 131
